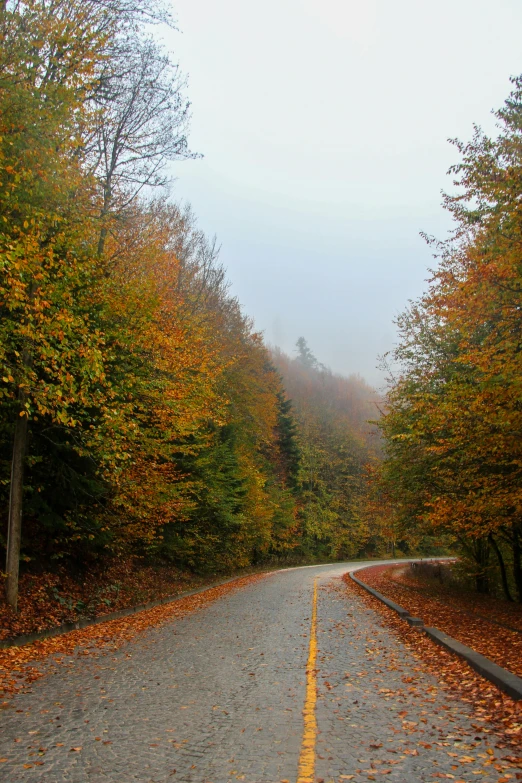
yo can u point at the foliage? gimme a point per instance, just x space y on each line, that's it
335 442
453 419
141 415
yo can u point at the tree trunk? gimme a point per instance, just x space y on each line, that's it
502 566
479 550
14 524
107 199
517 565
101 241
482 584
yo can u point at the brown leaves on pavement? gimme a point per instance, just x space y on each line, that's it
493 710
19 666
462 615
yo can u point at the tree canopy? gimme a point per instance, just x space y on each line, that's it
141 414
453 421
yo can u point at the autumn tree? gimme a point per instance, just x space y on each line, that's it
52 60
140 122
50 357
452 428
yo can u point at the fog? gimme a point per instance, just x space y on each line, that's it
324 130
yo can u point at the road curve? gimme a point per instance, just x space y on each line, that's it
233 692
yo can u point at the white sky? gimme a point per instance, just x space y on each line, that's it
324 127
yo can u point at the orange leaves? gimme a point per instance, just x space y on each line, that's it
461 614
454 455
16 663
196 369
453 613
117 328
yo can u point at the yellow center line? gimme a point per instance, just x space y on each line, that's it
306 770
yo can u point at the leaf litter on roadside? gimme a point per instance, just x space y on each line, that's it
20 666
477 749
493 712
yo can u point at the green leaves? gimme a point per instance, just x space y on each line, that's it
453 420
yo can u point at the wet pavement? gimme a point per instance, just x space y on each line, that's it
218 696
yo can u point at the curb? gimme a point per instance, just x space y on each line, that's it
60 630
504 680
391 604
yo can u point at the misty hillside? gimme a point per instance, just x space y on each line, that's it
336 442
345 399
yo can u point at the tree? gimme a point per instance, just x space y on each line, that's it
141 121
305 355
51 61
50 357
453 423
334 444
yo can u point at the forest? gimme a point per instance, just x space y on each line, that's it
147 430
453 416
144 423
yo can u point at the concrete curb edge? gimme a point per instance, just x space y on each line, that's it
502 678
505 680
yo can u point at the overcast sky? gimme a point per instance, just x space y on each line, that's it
324 130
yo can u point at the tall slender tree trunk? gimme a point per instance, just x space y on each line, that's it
481 555
101 241
517 565
502 566
107 200
14 528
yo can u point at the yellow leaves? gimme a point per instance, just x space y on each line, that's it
146 366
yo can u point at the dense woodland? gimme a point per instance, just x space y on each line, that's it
336 442
453 422
142 418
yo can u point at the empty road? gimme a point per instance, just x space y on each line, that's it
261 686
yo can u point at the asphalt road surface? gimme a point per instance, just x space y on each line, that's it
258 687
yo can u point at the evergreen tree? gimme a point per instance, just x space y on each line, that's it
305 355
